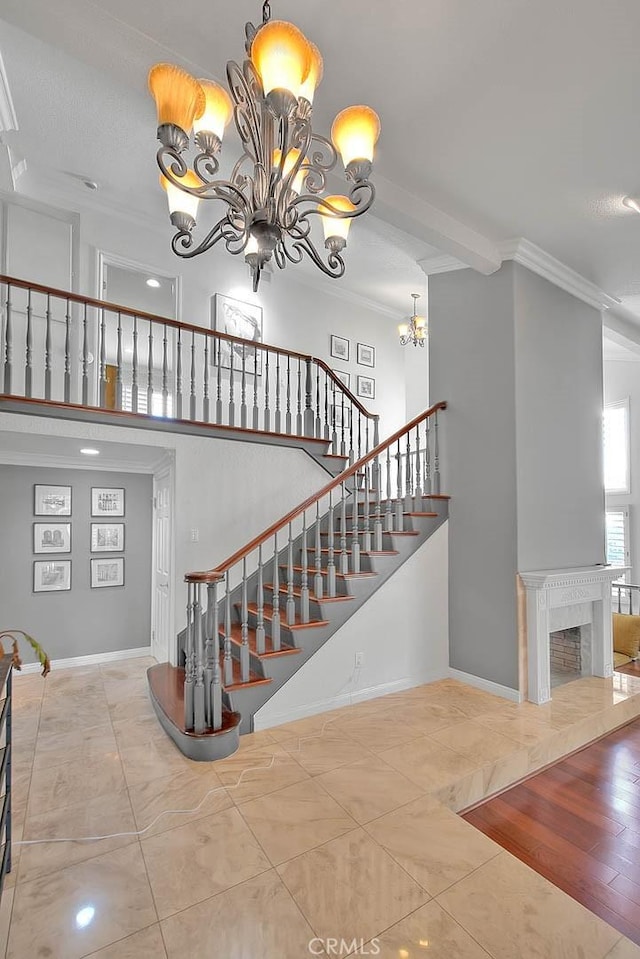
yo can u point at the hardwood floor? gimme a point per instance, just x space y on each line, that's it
578 824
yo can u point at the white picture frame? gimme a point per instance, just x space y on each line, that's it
51 500
366 387
340 347
107 501
51 575
244 320
366 355
106 573
52 537
107 537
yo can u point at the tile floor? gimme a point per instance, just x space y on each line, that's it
337 827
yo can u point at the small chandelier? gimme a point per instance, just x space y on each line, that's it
416 330
278 184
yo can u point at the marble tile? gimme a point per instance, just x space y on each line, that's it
255 772
180 791
319 754
429 764
93 817
624 949
194 862
475 741
309 726
522 728
126 669
121 691
53 787
87 744
512 911
428 717
136 705
432 844
114 885
429 931
462 793
6 907
503 772
351 888
146 944
295 819
383 730
256 920
369 788
154 759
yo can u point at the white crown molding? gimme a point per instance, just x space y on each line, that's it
315 282
8 118
53 461
441 264
537 260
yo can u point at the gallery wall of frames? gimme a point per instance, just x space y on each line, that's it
85 574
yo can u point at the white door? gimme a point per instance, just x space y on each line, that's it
162 615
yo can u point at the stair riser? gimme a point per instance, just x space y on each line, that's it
341 584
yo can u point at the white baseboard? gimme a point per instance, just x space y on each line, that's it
95 659
486 685
343 699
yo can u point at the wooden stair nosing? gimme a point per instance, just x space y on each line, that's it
254 678
368 552
394 532
311 570
297 591
268 610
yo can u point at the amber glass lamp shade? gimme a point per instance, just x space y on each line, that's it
314 76
217 111
179 201
337 226
290 161
179 97
355 132
281 55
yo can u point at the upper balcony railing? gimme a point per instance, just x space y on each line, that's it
64 348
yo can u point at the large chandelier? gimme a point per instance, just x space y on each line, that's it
278 186
416 330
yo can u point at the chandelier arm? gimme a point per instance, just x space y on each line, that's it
361 195
183 245
246 91
206 167
317 163
334 266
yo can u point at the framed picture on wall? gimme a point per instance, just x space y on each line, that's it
367 387
107 572
339 416
237 319
51 575
107 537
107 501
52 537
340 347
366 355
344 377
52 500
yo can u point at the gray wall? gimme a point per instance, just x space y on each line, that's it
559 397
83 620
472 368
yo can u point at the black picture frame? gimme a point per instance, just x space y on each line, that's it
366 355
340 347
366 387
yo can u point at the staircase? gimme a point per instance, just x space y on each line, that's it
274 603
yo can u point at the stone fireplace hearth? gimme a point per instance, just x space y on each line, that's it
559 601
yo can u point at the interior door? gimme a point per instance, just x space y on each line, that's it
162 618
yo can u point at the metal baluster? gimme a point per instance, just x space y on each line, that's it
134 371
334 435
256 412
150 372
355 528
287 416
344 556
67 354
267 411
218 341
278 422
275 618
291 604
165 369
179 376
366 537
377 523
192 386
376 442
244 630
85 357
103 361
189 664
317 582
408 478
427 461
399 521
619 600
205 393
366 437
388 514
243 389
308 401
436 457
417 488
299 412
119 390
318 425
47 351
228 629
359 435
198 692
232 391
28 370
260 633
343 445
331 566
304 590
327 431
213 661
8 344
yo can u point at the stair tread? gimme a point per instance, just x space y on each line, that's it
398 532
325 572
368 552
236 637
297 591
255 679
268 610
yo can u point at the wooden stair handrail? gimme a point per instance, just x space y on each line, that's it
186 327
217 574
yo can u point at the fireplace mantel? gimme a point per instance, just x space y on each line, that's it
549 589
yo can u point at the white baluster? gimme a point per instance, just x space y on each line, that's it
260 633
275 621
317 582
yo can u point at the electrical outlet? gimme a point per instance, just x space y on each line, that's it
359 660
195 535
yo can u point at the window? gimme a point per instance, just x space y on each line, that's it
616 448
156 402
617 526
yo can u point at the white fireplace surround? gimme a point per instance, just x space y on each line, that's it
559 599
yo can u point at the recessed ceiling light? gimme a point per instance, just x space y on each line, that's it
88 451
632 203
153 282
